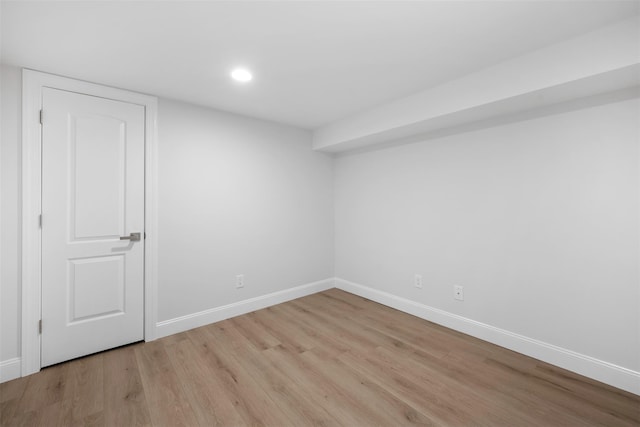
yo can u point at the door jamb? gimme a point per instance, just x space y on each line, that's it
32 84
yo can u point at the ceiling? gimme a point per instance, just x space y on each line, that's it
313 62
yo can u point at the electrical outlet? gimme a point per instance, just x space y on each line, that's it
458 292
417 281
240 281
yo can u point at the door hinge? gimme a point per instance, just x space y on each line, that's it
40 326
40 220
40 116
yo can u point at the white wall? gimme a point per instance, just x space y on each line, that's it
238 196
10 144
538 220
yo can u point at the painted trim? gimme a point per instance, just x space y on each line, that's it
608 373
32 84
31 243
10 369
151 219
205 317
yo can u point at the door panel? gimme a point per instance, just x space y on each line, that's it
97 150
92 194
96 288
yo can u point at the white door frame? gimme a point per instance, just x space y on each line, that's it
32 84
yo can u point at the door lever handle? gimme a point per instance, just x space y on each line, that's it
134 237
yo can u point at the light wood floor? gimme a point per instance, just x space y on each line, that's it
327 359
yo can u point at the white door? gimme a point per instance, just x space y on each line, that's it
92 196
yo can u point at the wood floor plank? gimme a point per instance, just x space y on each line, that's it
565 401
438 403
208 397
254 332
313 386
85 386
379 315
461 371
11 393
327 359
124 399
286 333
348 333
376 331
13 389
495 409
164 394
286 394
47 415
45 388
594 393
319 333
253 404
405 330
365 397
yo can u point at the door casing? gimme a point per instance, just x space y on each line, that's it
32 84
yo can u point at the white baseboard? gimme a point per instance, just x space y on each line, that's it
10 369
195 320
608 373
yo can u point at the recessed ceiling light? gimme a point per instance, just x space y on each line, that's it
241 75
